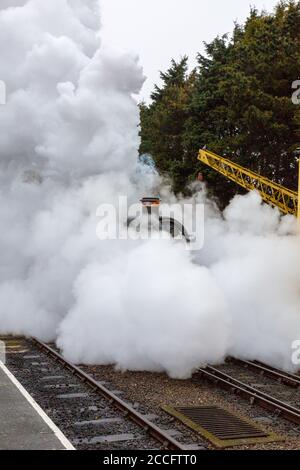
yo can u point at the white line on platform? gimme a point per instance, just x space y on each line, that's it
60 436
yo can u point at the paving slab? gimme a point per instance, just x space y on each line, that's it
23 424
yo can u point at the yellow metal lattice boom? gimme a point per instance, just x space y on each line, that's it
272 193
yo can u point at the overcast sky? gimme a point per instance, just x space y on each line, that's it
158 30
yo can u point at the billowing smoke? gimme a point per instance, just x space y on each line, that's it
254 256
68 142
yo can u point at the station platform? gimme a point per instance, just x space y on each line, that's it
23 424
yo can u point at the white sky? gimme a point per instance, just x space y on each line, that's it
159 30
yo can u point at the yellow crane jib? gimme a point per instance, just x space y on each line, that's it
272 193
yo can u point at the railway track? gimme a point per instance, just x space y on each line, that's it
145 424
95 416
276 391
286 378
90 414
88 411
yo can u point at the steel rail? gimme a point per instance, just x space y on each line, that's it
262 399
288 374
154 431
265 370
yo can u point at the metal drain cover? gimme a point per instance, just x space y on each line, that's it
221 427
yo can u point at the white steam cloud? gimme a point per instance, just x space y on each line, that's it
68 142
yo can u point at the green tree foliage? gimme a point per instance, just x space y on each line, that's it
163 124
238 103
